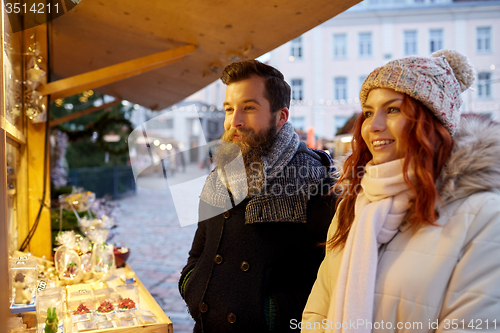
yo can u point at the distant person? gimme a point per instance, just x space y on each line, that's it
251 268
181 158
415 243
173 162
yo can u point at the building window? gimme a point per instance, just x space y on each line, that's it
298 123
410 40
483 39
297 94
340 88
296 49
339 46
436 40
484 85
365 44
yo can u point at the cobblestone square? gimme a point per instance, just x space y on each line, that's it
148 225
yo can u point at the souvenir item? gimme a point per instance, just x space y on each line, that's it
23 281
22 291
105 307
126 304
50 309
68 265
85 326
128 296
128 322
51 323
81 309
106 324
103 258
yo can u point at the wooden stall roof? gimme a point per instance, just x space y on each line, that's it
101 33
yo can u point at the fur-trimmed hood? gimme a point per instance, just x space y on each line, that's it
474 165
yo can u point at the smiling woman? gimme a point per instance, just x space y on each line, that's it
404 250
384 124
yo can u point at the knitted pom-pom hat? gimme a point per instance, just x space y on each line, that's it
436 81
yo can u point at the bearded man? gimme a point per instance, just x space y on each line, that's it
251 267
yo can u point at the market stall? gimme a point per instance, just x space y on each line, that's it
77 288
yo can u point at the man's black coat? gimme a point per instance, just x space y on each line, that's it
256 277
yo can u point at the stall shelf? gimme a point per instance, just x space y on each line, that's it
147 302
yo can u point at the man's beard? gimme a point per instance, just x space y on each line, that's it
253 147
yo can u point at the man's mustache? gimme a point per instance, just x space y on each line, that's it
228 135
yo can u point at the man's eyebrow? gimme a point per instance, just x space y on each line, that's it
385 104
251 101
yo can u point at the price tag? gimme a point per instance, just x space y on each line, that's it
42 285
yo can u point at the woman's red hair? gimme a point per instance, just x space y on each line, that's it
428 146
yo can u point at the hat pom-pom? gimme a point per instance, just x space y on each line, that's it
461 66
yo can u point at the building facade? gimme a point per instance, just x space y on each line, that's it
337 56
326 66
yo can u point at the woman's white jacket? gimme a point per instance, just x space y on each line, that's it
437 278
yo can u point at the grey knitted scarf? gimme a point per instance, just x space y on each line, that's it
238 180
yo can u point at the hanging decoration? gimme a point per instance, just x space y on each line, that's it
34 103
13 101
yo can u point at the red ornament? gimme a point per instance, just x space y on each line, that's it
105 307
126 303
82 309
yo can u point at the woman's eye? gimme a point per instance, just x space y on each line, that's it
368 114
229 110
249 107
393 110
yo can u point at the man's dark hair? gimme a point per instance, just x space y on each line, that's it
277 90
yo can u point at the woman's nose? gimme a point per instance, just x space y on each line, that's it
379 122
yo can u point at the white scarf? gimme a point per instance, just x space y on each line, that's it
379 211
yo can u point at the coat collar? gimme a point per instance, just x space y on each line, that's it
474 165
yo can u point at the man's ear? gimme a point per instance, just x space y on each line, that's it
282 117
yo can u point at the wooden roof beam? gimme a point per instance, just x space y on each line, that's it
100 77
82 113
